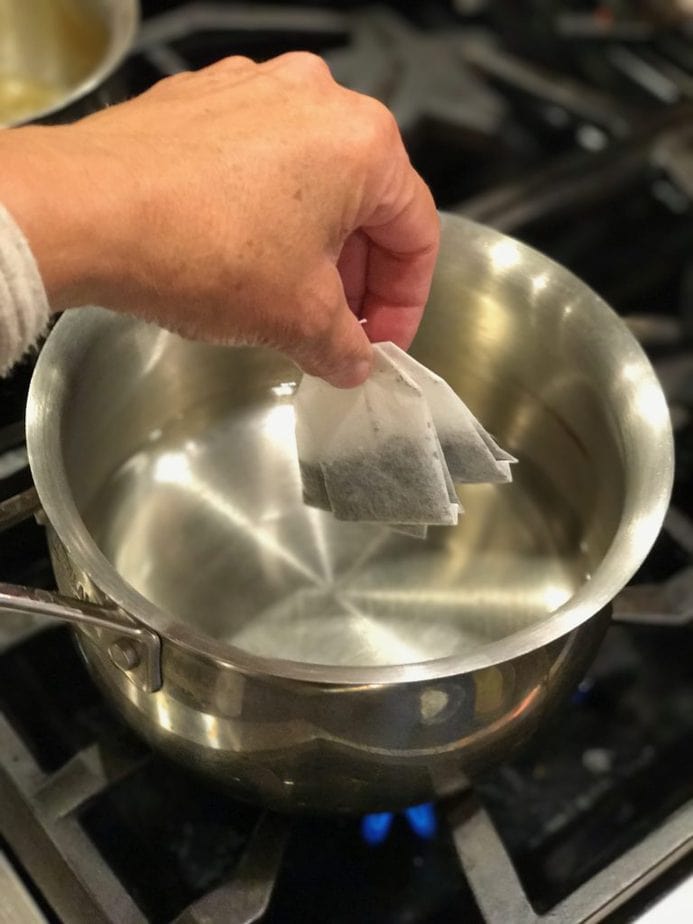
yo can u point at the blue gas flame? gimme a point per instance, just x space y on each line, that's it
375 828
420 818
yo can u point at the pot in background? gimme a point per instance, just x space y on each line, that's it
56 56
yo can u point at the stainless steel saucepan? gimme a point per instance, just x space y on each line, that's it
320 665
56 55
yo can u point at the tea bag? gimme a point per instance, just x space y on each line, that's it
372 452
471 454
308 405
391 449
420 532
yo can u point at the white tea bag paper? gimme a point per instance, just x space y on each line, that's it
391 450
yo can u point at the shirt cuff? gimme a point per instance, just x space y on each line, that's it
24 309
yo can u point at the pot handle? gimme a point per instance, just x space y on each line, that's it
133 648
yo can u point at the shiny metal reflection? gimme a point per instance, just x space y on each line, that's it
227 492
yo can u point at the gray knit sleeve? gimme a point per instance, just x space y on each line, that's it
24 310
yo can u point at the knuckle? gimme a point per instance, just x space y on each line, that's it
379 127
381 117
305 63
236 60
233 64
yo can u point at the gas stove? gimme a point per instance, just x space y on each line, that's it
570 126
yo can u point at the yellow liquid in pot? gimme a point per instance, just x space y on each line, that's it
21 97
48 48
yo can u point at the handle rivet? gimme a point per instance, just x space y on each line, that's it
124 654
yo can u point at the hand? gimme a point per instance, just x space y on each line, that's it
243 203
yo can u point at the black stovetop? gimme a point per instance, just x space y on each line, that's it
594 187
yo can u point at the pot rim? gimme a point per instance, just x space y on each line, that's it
632 542
126 15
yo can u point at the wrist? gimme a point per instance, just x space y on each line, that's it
59 189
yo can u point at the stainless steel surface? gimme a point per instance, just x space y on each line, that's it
245 898
53 52
133 649
136 650
179 23
420 75
671 908
483 52
18 508
311 663
551 191
501 897
674 155
668 602
14 510
40 818
16 904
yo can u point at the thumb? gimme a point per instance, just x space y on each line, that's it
336 347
